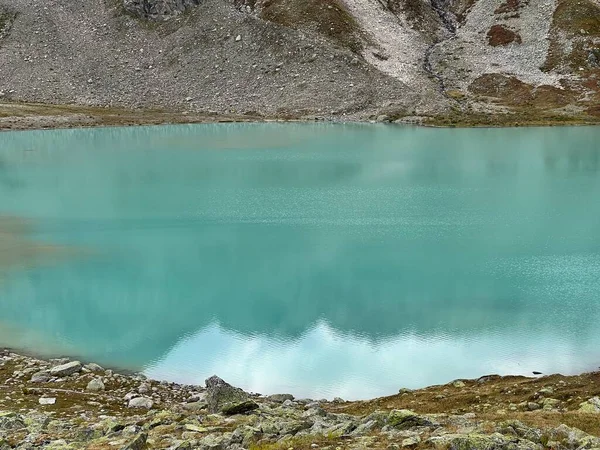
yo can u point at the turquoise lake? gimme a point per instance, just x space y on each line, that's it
314 259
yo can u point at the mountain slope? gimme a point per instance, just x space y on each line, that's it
301 58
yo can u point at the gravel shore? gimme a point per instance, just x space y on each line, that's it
61 404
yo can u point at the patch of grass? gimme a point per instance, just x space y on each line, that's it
327 17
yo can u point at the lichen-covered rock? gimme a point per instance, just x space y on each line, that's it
404 418
10 421
139 443
519 429
573 437
476 441
591 406
220 395
158 10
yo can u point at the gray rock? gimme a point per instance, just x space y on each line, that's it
519 429
47 401
42 376
220 395
11 421
67 369
533 406
404 418
139 443
195 406
364 428
140 402
95 385
92 367
280 398
574 437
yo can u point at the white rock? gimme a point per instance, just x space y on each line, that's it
141 402
47 401
95 385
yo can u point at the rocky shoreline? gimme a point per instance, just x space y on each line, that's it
37 116
61 404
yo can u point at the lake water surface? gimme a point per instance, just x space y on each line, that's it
320 260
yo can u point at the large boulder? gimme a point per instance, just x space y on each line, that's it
158 10
223 397
67 369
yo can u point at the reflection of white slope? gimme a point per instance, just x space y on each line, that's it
324 363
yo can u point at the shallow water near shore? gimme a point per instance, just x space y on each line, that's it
320 260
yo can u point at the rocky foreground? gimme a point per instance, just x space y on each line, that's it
62 404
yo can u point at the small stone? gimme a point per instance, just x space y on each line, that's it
95 385
140 402
47 401
238 38
458 384
144 388
532 406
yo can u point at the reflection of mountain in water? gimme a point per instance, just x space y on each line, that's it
379 232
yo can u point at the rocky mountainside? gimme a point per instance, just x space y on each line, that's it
457 60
